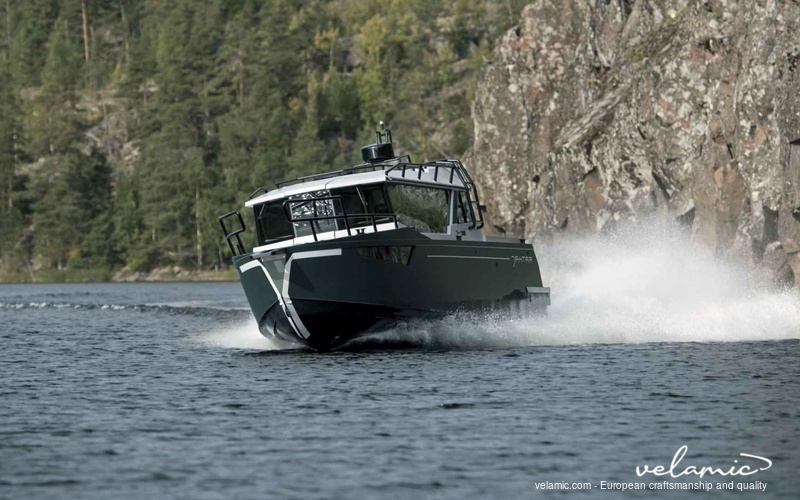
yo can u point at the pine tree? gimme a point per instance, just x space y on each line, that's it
55 123
177 163
10 137
308 154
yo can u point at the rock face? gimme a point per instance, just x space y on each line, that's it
595 112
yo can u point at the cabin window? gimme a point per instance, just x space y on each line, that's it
312 211
361 200
463 211
351 201
421 208
271 223
375 199
398 255
352 205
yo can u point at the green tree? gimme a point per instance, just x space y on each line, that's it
55 124
70 190
138 121
10 138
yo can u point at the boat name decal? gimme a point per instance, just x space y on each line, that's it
522 259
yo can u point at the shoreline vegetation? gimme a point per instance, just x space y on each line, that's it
128 126
160 274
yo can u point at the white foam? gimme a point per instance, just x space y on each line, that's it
648 283
240 336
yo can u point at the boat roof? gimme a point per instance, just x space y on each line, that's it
443 174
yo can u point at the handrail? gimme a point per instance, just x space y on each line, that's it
257 191
456 169
479 221
230 235
345 171
344 216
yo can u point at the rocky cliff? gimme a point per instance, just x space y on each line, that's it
595 112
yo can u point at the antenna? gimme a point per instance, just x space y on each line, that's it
382 149
383 135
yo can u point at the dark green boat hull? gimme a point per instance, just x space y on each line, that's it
326 293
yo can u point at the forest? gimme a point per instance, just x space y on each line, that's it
127 126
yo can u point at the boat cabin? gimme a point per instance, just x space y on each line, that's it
436 198
386 192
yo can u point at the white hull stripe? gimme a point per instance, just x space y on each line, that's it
296 256
325 236
256 263
250 265
467 257
316 253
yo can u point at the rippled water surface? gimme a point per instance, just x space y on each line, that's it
155 390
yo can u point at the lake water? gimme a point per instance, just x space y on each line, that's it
155 390
167 390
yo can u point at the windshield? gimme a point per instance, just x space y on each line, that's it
422 208
425 209
313 211
271 223
361 200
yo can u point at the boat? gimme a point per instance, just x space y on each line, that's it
347 253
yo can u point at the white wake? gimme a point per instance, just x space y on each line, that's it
644 283
244 335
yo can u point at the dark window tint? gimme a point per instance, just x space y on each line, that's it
375 199
351 201
271 223
365 199
421 208
462 209
398 255
352 205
